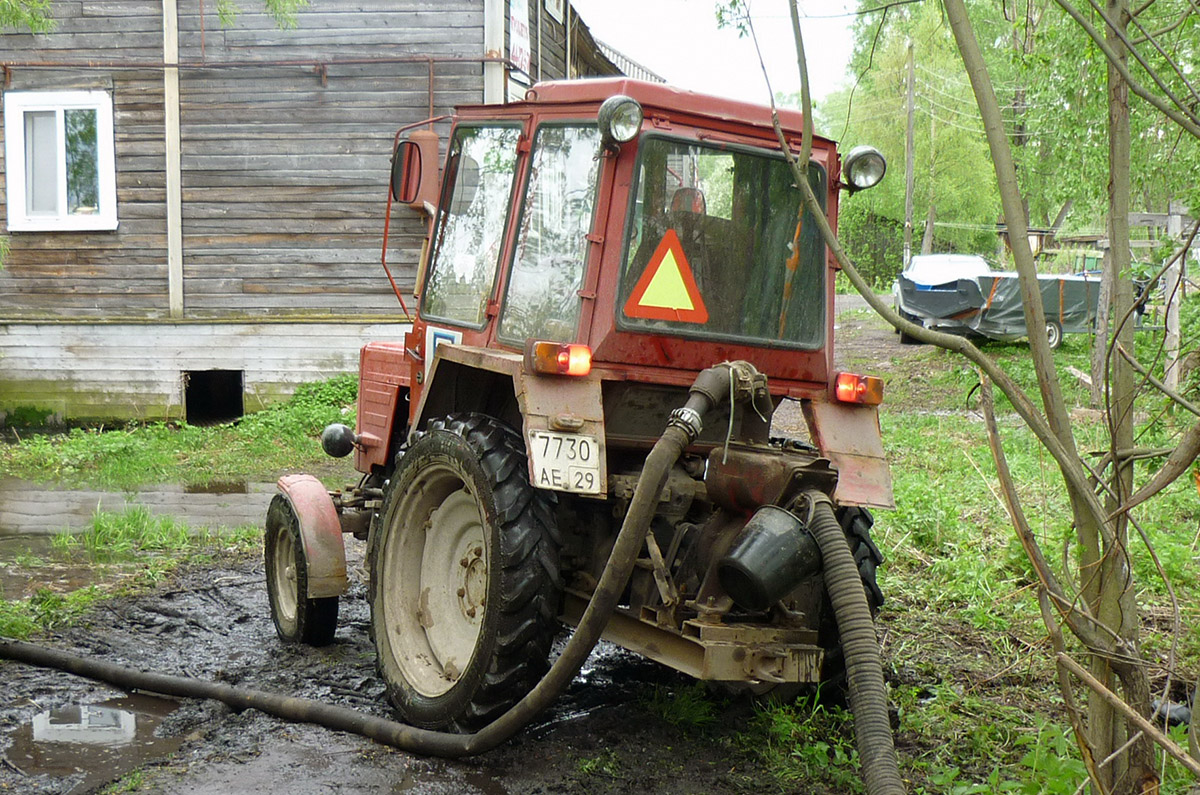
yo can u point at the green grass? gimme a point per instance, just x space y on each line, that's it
131 552
46 610
684 708
257 447
606 763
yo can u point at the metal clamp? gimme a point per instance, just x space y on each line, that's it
687 420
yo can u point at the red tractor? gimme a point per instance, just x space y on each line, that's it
607 259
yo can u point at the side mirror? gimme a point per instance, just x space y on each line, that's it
414 179
406 172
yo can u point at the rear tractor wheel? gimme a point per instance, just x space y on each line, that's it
464 576
297 618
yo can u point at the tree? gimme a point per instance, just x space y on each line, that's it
950 152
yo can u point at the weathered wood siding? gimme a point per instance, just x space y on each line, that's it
284 178
97 274
285 168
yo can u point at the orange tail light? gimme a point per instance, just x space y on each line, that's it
864 389
558 358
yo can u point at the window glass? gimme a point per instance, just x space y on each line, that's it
470 231
41 163
83 180
715 247
543 289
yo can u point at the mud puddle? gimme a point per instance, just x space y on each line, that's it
93 743
602 736
31 515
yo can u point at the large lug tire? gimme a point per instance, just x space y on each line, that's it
297 618
856 524
465 586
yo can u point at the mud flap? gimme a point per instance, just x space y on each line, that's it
321 533
849 436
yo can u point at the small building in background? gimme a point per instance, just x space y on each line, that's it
193 212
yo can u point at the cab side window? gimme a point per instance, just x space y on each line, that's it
471 221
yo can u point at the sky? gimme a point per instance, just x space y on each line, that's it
679 40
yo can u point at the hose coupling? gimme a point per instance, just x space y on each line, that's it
687 420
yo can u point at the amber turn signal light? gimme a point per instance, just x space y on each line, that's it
558 358
865 389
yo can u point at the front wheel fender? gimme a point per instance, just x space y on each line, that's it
321 533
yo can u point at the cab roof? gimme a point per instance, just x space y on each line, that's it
665 98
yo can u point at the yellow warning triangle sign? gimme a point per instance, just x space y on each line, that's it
667 288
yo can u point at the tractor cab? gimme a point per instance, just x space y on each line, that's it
643 230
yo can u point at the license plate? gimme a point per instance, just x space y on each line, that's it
565 461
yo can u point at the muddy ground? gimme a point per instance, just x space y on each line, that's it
604 736
213 623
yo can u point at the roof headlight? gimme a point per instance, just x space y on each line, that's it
863 168
620 119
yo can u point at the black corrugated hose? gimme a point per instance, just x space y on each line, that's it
856 628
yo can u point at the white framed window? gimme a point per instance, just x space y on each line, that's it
60 161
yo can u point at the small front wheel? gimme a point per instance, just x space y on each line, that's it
297 618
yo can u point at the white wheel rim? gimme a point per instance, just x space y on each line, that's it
454 582
434 566
287 596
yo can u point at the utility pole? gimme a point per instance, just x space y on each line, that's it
1173 278
908 161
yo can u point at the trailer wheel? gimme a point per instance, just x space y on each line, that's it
297 618
1054 334
465 586
905 338
856 524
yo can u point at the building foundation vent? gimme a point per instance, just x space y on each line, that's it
211 397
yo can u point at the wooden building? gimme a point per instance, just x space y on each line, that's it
193 212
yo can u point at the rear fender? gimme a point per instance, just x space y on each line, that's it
492 382
320 533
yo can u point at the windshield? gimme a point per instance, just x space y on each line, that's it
714 247
547 274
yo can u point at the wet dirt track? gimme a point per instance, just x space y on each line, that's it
214 624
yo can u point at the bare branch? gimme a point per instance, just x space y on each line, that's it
805 98
1158 81
1064 686
1154 382
1174 25
1152 38
1151 731
1176 465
